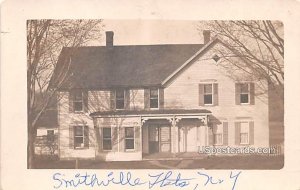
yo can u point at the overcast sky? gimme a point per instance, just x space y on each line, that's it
139 32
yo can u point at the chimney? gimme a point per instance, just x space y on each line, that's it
206 36
109 38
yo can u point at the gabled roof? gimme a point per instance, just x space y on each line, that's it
121 66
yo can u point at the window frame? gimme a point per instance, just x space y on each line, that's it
78 101
154 98
219 133
248 133
243 93
116 99
106 138
83 137
129 138
212 94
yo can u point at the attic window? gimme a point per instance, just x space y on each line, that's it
216 58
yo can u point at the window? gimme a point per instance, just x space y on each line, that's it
208 94
244 135
106 138
218 135
153 98
50 135
129 138
120 99
245 93
78 101
79 136
216 58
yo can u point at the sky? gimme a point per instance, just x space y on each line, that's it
143 32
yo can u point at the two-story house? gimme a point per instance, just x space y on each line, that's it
122 102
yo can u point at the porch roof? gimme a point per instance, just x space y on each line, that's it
151 112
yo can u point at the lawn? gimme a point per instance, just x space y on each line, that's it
214 162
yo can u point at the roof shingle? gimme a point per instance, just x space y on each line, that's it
121 66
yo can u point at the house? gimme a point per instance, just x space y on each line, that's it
123 102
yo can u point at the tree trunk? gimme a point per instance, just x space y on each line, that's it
30 148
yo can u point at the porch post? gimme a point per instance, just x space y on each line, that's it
174 135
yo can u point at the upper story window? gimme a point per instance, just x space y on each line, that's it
153 98
120 99
107 138
208 94
244 93
78 101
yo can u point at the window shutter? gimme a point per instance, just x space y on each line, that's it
85 98
237 94
122 139
114 140
71 137
137 142
112 99
251 132
225 133
71 98
147 98
99 136
237 133
161 98
215 96
201 94
127 99
86 137
252 94
210 136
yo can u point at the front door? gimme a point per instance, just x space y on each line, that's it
153 139
159 138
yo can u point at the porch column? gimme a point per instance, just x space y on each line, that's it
174 134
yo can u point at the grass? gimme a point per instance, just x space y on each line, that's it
214 162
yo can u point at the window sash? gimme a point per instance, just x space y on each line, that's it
129 139
79 137
120 99
106 140
244 93
208 94
244 133
244 138
154 98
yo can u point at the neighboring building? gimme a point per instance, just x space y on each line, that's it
46 142
124 102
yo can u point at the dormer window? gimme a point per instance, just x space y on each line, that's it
154 98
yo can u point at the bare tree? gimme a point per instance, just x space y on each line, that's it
45 39
260 44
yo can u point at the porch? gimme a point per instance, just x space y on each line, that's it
159 134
